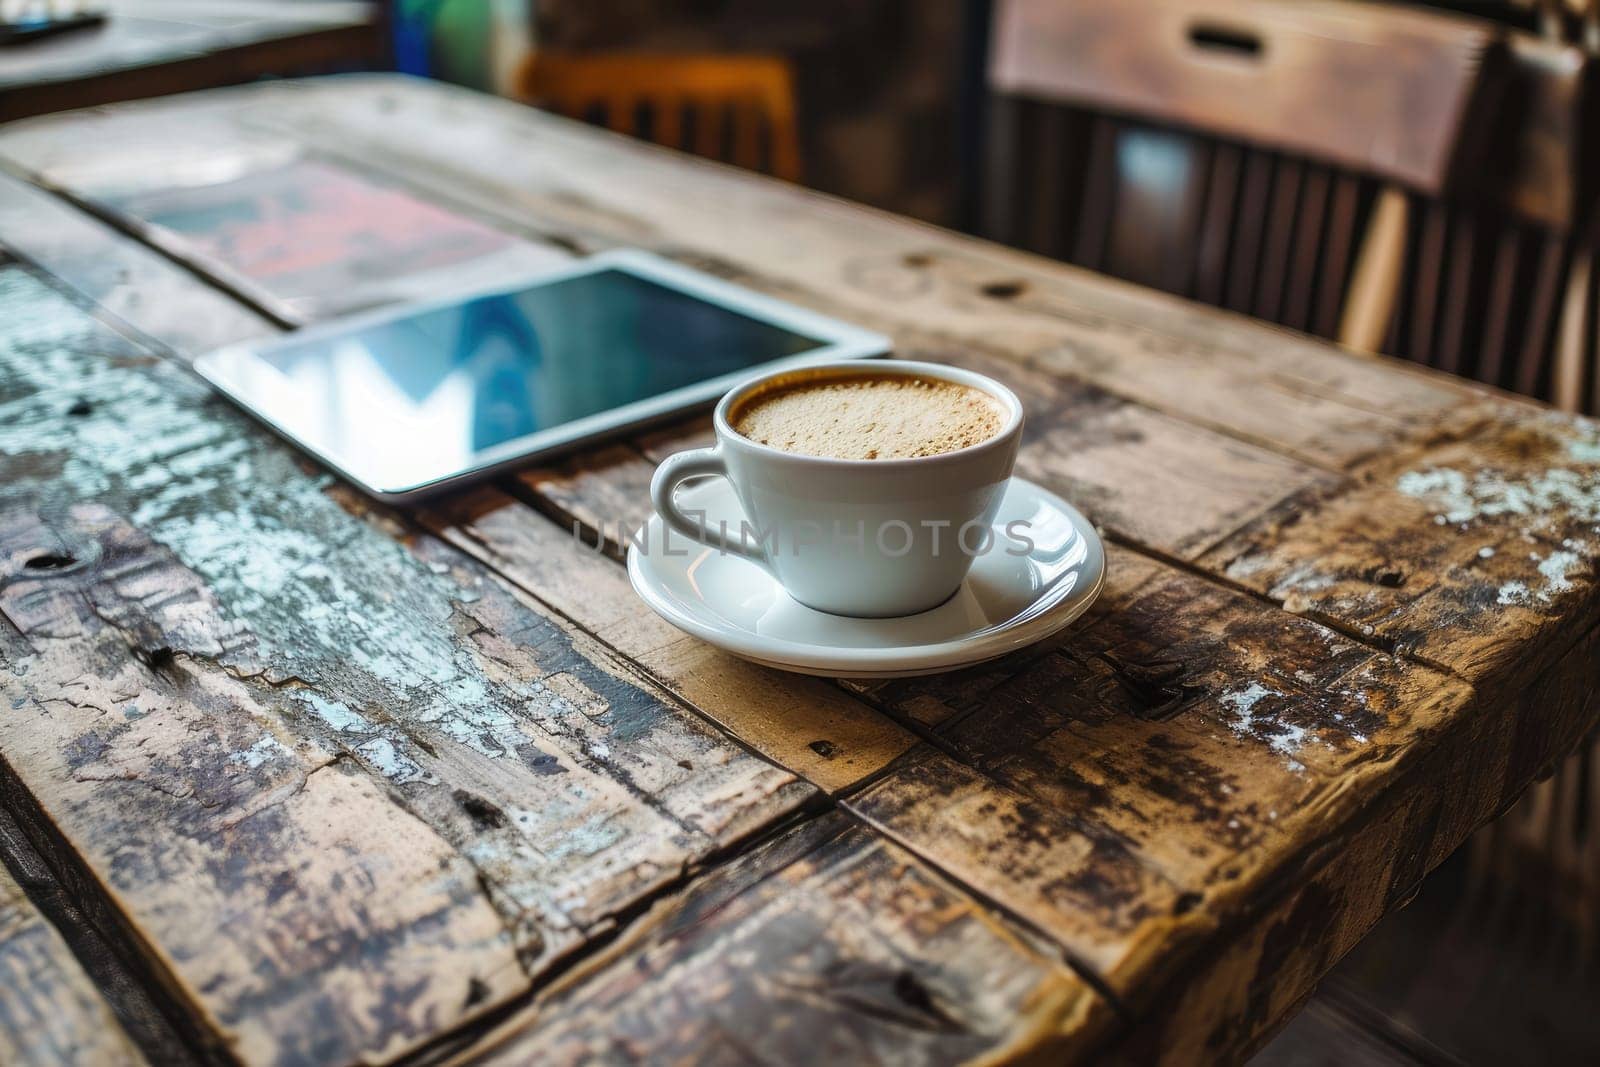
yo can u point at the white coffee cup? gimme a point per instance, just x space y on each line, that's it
860 537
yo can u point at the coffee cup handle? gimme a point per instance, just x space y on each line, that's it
673 472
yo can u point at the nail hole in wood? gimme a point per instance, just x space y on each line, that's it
49 561
1004 290
909 988
157 659
480 811
1388 577
822 748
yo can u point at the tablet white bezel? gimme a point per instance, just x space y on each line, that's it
231 367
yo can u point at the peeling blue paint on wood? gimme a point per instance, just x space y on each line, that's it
389 648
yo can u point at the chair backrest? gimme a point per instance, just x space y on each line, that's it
739 109
1248 153
1494 274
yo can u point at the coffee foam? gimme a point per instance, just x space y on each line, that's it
870 417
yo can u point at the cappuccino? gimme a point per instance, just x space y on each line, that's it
869 416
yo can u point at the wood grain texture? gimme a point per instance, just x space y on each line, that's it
884 272
755 704
806 725
1278 814
826 944
887 273
191 560
126 280
1196 799
832 748
50 1011
1148 477
1456 555
1208 733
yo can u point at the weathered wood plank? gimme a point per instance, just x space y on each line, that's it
1058 869
557 180
842 741
296 236
210 826
1287 807
1195 735
1199 763
1323 907
827 944
1477 553
217 645
834 747
1149 478
138 286
50 1011
68 895
803 724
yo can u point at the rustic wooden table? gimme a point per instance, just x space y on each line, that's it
293 778
151 47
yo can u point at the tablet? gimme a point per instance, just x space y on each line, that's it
408 401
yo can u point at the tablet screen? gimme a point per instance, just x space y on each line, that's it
430 391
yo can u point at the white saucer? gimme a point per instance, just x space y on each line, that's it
1007 601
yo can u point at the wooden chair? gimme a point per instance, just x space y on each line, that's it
1252 154
739 109
1497 277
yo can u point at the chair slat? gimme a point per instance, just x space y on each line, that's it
1369 320
1428 274
1456 307
710 128
747 135
1592 343
1248 232
1159 179
1049 194
1497 318
1538 323
668 122
713 89
1342 211
1279 238
1098 195
622 115
1003 175
1572 356
1216 228
1308 238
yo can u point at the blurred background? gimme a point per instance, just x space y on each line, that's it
1415 180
